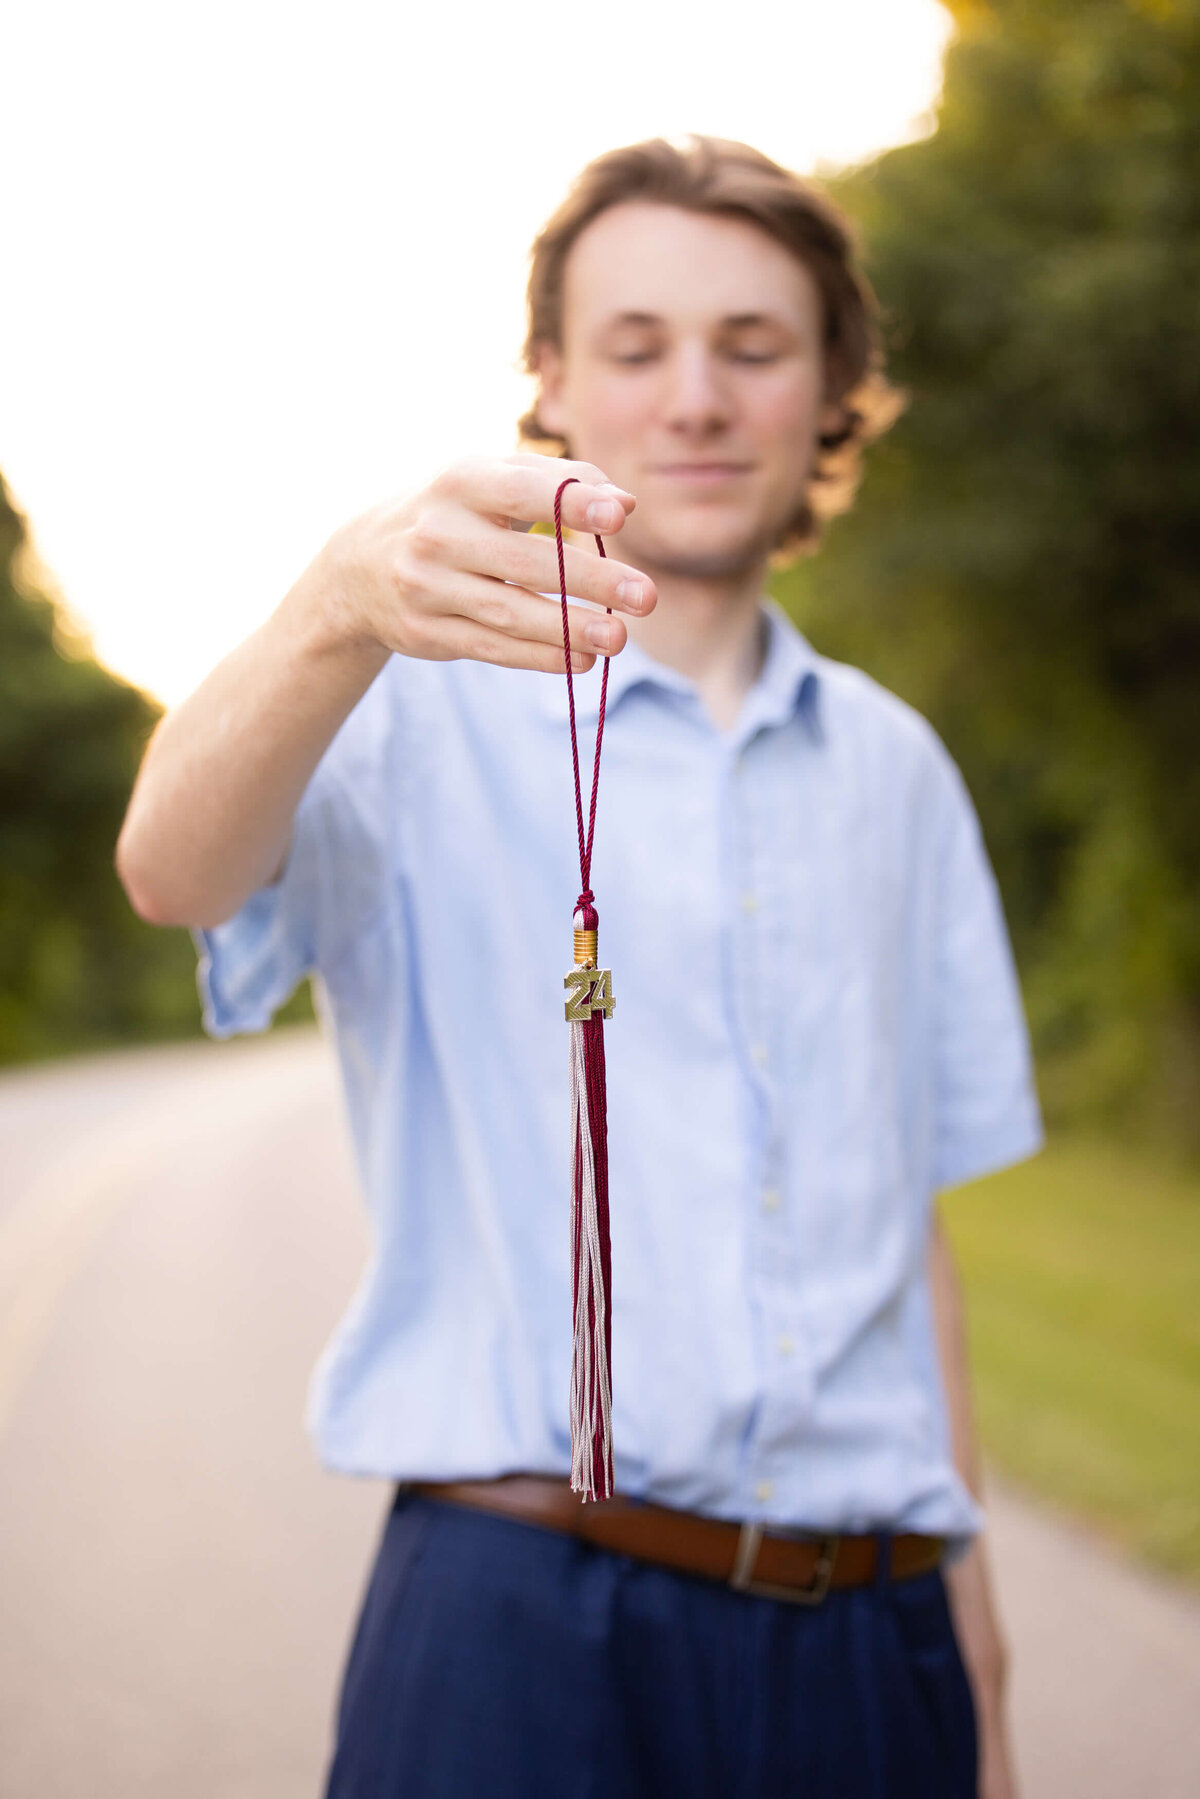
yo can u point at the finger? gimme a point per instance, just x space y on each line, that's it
464 637
529 617
524 489
532 562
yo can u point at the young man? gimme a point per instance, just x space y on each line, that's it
819 1026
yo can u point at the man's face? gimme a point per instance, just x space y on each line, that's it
691 372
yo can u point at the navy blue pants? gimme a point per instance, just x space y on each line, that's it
496 1660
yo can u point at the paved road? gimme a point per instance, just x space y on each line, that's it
178 1233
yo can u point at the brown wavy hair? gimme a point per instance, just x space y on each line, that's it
731 180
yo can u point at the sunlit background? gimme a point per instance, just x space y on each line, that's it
275 254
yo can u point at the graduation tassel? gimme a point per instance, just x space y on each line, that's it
591 1263
589 1003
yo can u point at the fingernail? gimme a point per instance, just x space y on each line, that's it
631 593
601 634
613 488
605 515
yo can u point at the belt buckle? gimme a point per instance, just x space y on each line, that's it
746 1556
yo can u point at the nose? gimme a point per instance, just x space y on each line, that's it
698 404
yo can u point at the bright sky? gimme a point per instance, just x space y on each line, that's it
265 262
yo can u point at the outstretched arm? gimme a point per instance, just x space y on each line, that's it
437 576
969 1579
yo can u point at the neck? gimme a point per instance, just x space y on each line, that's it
709 631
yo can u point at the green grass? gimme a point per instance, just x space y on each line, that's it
1082 1270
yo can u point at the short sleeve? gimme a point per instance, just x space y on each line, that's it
986 1112
333 882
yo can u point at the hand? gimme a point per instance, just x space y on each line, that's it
986 1659
453 571
997 1776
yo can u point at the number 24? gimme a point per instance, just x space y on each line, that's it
590 991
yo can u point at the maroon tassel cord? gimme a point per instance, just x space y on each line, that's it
589 1003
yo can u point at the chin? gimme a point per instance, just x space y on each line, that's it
700 548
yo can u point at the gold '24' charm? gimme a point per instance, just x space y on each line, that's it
590 990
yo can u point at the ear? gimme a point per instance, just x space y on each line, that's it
832 417
548 370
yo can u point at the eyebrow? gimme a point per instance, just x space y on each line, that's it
734 320
739 319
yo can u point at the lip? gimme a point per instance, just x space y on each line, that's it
703 474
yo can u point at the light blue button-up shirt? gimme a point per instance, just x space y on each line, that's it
818 1024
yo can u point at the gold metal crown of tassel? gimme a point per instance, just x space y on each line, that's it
589 988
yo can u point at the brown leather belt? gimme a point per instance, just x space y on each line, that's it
743 1556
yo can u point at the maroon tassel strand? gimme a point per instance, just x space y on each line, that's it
589 1003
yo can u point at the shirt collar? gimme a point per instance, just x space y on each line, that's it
786 680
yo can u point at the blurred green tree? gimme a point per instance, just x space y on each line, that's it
77 967
1023 562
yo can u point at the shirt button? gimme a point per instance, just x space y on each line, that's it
772 1200
785 1344
763 1491
758 1054
749 902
